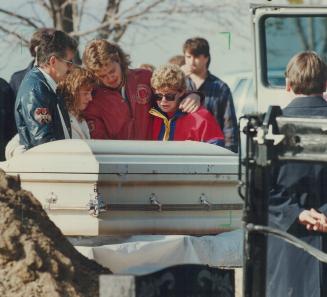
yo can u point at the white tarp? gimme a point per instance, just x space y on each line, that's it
148 253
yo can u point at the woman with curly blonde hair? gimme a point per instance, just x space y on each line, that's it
76 91
169 122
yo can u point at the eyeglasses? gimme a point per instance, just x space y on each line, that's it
168 97
69 63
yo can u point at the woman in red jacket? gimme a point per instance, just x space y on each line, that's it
170 123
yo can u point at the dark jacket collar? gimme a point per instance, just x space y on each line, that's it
307 101
30 65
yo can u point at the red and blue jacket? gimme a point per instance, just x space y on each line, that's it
198 126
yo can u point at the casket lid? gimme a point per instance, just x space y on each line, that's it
123 156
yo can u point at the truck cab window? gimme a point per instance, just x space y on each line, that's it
287 35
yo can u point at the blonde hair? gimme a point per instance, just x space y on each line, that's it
146 66
68 89
168 76
100 52
178 60
306 73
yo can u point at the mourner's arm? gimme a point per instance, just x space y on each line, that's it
38 114
97 127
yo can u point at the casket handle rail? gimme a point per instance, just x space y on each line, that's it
96 205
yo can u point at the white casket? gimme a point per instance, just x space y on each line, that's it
144 187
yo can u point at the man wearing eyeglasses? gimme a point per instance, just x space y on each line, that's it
17 78
41 116
170 123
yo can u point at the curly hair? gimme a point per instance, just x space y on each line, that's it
99 52
68 89
168 76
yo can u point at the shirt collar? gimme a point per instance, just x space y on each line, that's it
49 80
209 76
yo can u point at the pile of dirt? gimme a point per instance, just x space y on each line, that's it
35 258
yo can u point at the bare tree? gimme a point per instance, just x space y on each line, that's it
110 20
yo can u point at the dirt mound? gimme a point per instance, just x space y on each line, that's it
35 258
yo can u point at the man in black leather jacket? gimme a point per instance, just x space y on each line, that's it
41 116
17 77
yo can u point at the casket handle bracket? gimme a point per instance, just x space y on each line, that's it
154 201
51 200
204 201
96 203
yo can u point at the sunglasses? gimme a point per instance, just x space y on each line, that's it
168 97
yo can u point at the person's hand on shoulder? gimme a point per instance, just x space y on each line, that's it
190 103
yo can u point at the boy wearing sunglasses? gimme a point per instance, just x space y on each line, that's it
170 123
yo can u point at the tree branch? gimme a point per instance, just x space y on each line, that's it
137 4
146 10
44 4
75 15
36 13
53 13
20 17
17 35
94 29
65 4
80 13
119 32
111 11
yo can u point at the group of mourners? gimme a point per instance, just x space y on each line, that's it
105 99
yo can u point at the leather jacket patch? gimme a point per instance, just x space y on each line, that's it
42 115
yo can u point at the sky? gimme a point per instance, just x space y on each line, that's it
230 40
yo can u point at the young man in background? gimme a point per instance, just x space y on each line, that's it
218 98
